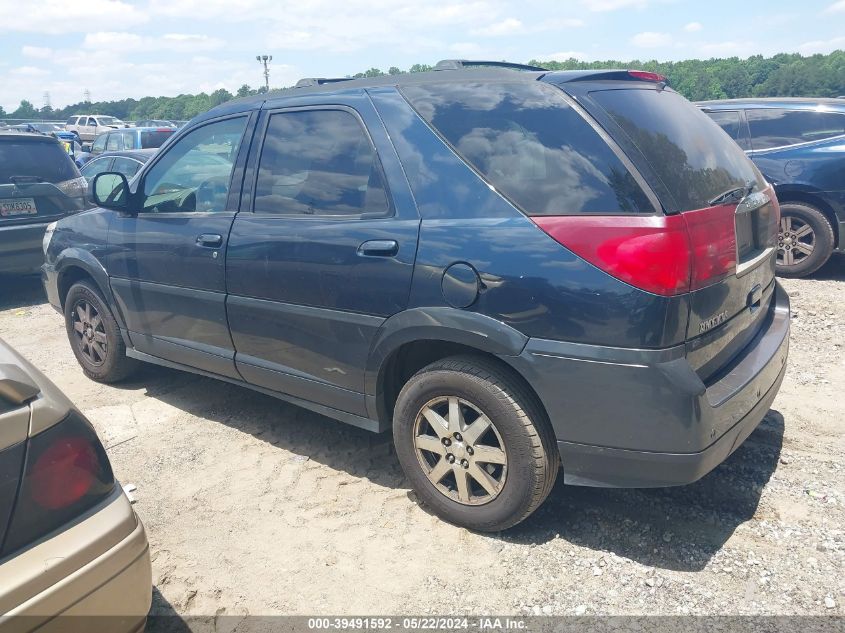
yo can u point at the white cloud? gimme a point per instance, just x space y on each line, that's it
29 71
37 52
508 26
57 16
651 39
562 56
122 42
821 46
613 5
836 7
693 27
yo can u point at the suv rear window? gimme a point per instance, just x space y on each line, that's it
778 127
532 146
677 140
154 138
47 161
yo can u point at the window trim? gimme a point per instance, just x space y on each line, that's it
262 132
799 144
588 118
231 202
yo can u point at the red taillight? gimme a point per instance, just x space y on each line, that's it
646 76
64 473
666 255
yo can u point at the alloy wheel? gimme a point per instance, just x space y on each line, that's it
460 450
90 332
796 241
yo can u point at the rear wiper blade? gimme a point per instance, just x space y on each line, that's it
25 180
735 194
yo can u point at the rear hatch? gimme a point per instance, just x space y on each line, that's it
705 180
38 181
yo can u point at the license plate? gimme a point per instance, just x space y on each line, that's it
17 206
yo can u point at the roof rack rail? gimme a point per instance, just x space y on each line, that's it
458 64
307 82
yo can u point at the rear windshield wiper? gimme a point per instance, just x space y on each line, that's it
736 194
25 180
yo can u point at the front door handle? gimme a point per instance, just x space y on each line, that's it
379 248
210 240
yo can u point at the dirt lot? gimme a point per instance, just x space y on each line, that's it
255 506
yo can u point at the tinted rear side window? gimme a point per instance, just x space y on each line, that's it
46 161
677 140
318 163
154 139
777 127
532 146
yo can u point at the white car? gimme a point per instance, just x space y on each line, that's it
88 126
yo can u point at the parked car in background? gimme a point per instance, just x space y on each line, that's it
71 543
154 123
127 163
87 127
68 140
131 138
799 145
512 269
39 183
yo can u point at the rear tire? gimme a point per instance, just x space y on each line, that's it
95 336
805 240
467 419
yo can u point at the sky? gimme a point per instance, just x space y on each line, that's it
134 48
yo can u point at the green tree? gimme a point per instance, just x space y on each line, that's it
25 111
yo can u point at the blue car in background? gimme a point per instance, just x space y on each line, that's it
127 139
799 145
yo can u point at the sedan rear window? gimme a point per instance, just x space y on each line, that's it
532 146
46 161
679 142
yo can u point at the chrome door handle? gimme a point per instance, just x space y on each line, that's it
379 248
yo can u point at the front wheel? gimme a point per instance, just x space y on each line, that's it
474 443
95 336
805 240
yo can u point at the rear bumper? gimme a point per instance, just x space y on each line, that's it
643 418
110 592
20 248
50 281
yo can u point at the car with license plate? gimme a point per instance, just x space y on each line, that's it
39 183
73 554
799 146
511 269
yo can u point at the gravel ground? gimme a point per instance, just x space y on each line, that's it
254 506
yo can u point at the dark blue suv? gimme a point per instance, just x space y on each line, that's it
513 269
799 145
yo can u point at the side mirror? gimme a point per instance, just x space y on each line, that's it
110 190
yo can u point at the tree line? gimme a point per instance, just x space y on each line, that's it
782 75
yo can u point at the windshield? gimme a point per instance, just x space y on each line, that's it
48 127
694 159
109 120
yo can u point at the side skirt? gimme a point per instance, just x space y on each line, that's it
355 420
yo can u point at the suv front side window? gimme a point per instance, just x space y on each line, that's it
195 173
319 163
113 142
99 144
778 127
731 122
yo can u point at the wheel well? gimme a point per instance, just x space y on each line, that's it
819 203
411 357
70 276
